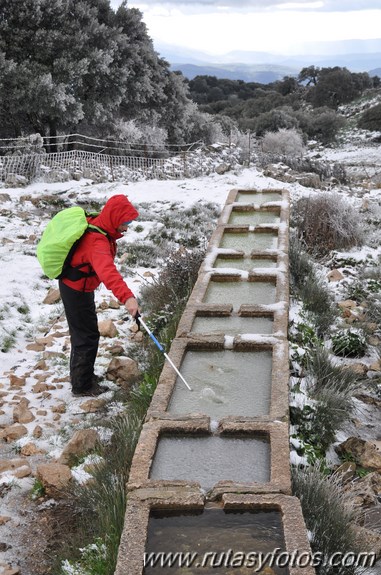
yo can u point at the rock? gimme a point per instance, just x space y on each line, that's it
37 432
358 368
346 471
375 366
123 370
93 405
59 408
54 477
4 519
16 381
335 276
116 350
363 452
9 570
31 449
107 328
348 303
35 347
113 304
82 442
308 180
53 296
12 464
23 471
40 387
15 181
371 541
366 490
15 431
5 198
222 169
21 413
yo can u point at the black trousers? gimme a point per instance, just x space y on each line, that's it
84 335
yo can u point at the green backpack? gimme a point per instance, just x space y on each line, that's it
59 240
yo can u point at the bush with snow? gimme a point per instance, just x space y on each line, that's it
326 222
285 142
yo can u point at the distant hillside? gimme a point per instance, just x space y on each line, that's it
262 74
264 67
375 72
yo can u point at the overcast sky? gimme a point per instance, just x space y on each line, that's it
277 26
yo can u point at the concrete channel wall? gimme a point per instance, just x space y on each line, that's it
224 446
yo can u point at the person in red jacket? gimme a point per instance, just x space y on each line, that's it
91 264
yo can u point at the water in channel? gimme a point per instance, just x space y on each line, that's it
244 264
249 241
224 383
258 198
217 542
209 459
253 217
232 325
240 293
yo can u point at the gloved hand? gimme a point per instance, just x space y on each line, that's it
132 306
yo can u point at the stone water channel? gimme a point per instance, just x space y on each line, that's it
211 474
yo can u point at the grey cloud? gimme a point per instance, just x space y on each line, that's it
328 5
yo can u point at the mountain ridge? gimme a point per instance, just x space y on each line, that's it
265 67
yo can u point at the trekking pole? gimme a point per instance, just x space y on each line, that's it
138 319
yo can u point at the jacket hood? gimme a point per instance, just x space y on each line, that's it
117 210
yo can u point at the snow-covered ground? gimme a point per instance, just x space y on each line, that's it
24 316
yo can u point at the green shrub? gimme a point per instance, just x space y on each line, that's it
300 263
328 514
349 343
371 119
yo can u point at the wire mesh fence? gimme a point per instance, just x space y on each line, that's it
91 164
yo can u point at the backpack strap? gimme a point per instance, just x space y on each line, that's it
75 273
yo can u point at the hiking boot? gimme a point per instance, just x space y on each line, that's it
92 391
97 378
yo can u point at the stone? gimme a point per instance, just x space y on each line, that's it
123 371
116 350
82 442
15 181
53 296
31 449
358 368
113 304
9 570
93 405
21 413
11 464
35 347
366 490
40 387
5 198
348 303
222 169
15 431
4 519
346 471
54 477
107 328
16 381
375 366
37 432
59 408
308 180
363 452
23 471
335 276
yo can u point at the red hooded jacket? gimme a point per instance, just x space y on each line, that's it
98 250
